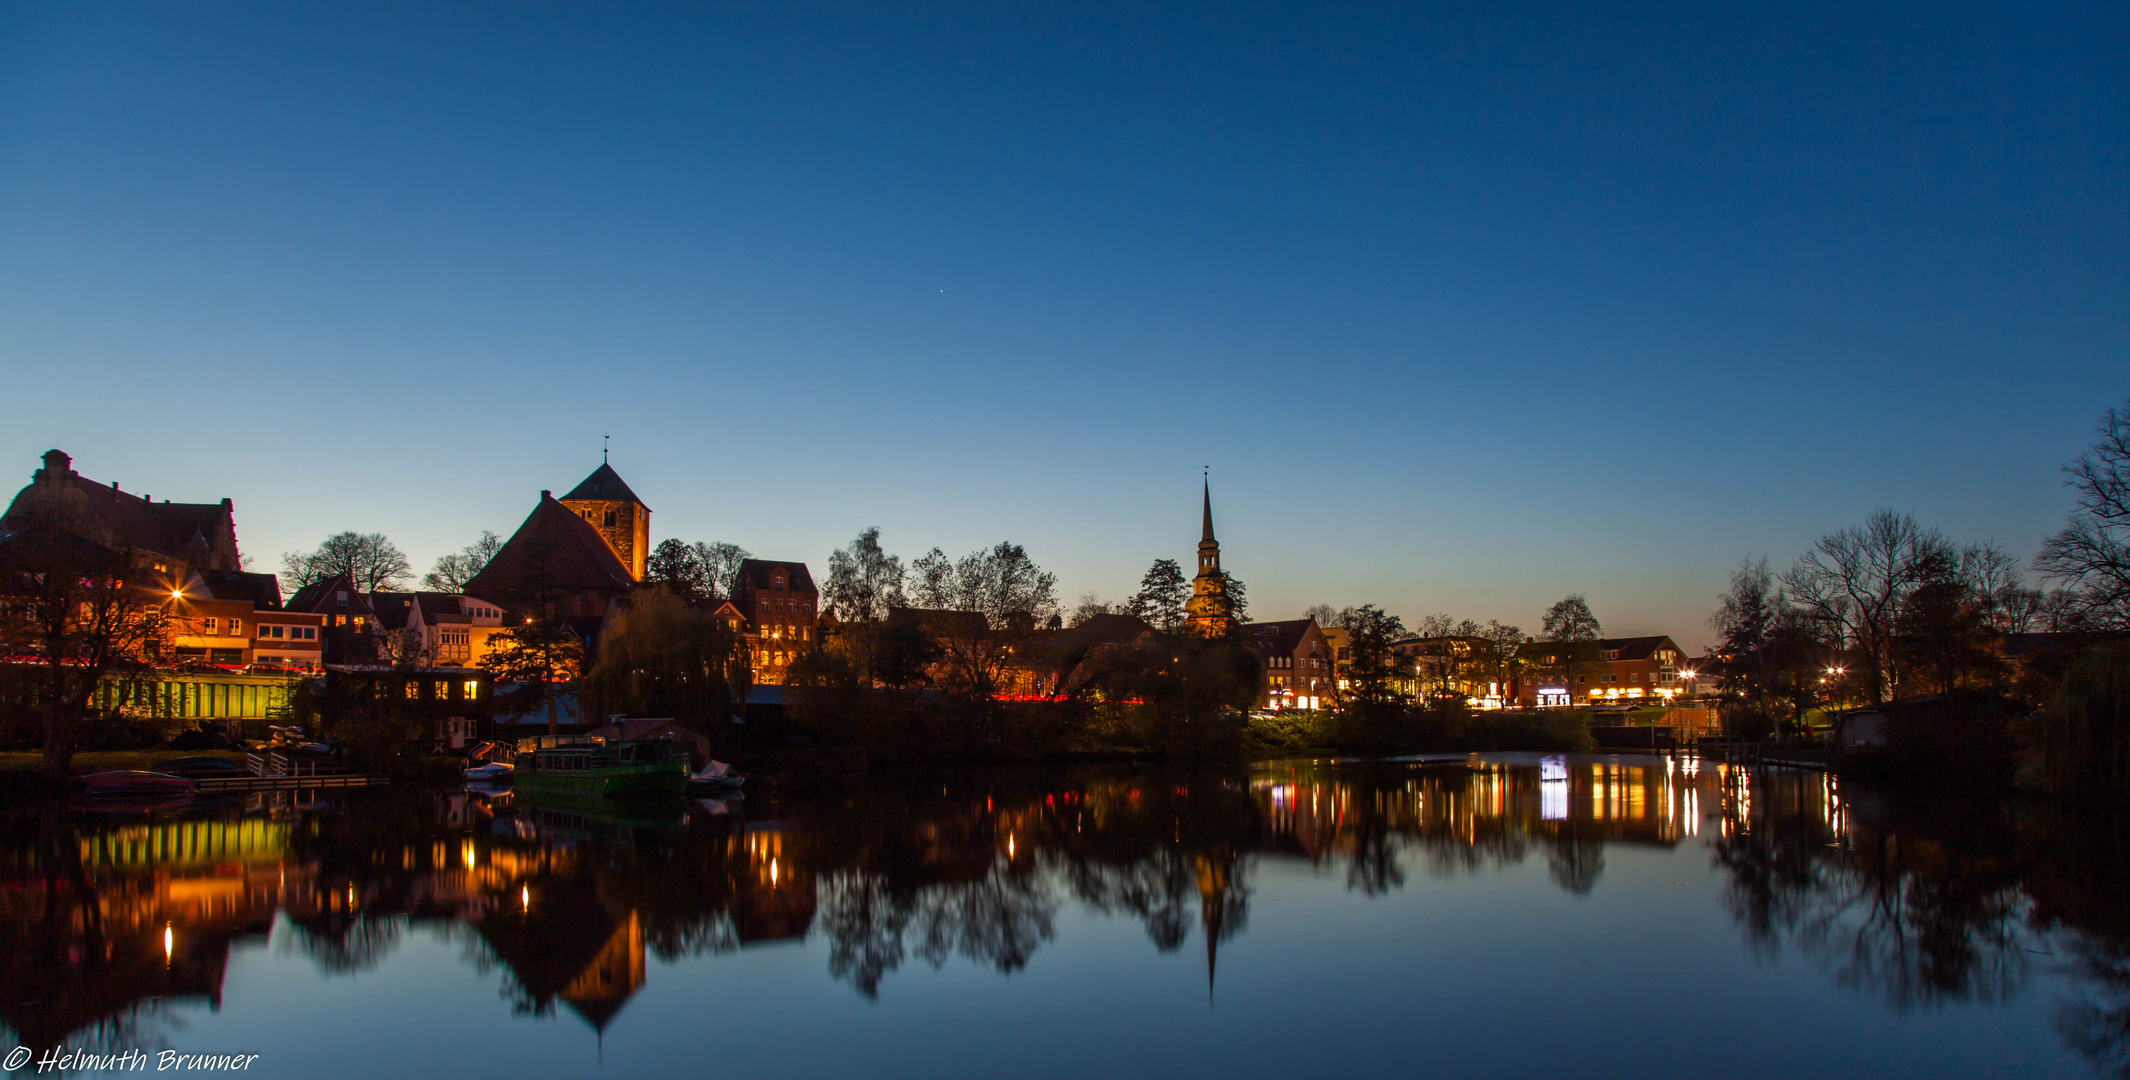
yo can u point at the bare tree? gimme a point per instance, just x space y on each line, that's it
721 565
368 559
453 571
698 571
1089 606
1855 581
2090 557
79 611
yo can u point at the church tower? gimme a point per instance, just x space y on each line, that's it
621 519
1208 612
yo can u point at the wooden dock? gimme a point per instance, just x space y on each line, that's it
238 784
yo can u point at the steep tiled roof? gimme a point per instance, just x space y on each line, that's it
201 534
324 597
263 590
755 573
392 608
604 485
1280 637
941 621
576 557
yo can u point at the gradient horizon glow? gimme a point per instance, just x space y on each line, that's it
1466 306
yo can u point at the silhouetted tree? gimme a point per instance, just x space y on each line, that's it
864 581
1571 634
79 611
2090 556
368 559
1855 581
661 657
1161 596
538 655
453 571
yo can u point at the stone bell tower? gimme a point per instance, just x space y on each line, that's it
1208 613
620 518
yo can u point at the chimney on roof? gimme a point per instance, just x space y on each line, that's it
56 465
545 494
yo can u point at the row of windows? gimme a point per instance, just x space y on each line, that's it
235 628
443 691
786 607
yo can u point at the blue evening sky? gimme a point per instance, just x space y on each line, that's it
1466 306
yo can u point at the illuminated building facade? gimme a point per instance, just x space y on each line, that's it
1617 670
447 629
1297 663
782 609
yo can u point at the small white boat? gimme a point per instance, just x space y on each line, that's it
717 775
494 770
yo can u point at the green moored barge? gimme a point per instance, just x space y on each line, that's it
595 766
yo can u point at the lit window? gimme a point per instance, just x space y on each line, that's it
208 622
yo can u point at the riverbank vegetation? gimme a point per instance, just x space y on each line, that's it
1952 658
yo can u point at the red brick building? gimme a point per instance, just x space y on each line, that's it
1296 659
782 608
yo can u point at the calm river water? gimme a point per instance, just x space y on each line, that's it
1505 915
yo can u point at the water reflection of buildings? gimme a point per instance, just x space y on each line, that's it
571 904
1317 813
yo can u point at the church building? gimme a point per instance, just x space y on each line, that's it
620 518
573 556
1209 613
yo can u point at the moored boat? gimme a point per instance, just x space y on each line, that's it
716 776
492 771
595 766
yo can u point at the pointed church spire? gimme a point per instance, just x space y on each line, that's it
1208 610
1208 533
